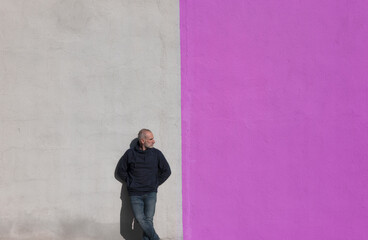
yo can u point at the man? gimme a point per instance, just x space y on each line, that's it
143 168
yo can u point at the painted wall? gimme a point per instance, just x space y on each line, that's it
78 79
274 119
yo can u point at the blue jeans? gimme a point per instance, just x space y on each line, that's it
144 208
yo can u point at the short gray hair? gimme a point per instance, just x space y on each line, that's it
142 133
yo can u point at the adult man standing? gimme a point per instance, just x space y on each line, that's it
143 168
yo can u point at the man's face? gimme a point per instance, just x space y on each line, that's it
149 141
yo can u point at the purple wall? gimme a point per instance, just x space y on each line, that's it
274 119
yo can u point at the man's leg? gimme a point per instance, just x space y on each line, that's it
149 211
142 205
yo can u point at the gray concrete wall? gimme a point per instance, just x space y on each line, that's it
78 79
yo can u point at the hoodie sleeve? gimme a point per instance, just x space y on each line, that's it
164 168
121 168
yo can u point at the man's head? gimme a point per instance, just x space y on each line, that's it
145 139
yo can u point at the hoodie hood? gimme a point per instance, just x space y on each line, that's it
138 149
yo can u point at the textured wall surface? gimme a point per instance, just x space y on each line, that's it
274 119
78 79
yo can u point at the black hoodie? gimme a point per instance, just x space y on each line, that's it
142 171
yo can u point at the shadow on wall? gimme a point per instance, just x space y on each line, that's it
126 219
126 213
